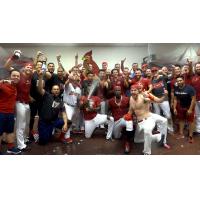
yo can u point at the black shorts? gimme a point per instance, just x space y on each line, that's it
7 121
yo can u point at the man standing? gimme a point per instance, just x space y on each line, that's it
159 88
71 98
196 85
35 103
8 93
22 104
184 104
139 79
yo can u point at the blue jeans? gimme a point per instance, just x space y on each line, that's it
45 129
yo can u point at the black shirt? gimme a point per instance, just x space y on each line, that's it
158 87
184 95
34 87
49 83
50 108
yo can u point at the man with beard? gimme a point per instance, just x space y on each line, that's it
139 79
184 104
8 94
90 106
196 85
146 121
119 105
22 104
71 98
35 103
159 88
51 106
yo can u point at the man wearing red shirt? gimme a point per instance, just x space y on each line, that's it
119 106
196 85
8 95
22 104
139 79
117 80
90 107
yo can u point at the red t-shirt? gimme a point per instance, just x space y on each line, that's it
144 81
8 95
119 110
119 81
188 79
196 84
95 102
23 89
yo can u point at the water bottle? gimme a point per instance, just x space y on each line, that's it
44 68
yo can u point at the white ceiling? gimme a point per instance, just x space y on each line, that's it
74 44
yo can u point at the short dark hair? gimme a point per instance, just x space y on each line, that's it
50 63
14 70
197 63
101 70
177 65
90 72
113 70
180 76
138 69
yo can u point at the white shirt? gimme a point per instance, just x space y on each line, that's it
71 94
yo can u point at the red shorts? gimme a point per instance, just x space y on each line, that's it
182 114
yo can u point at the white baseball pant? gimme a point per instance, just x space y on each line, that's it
145 128
118 125
197 114
22 123
90 125
165 107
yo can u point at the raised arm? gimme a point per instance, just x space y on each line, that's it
10 60
58 57
122 64
40 83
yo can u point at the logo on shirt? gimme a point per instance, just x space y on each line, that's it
55 104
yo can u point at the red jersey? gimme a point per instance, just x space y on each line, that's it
8 95
94 102
119 81
196 85
119 109
144 81
23 89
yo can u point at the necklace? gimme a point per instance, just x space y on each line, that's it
118 104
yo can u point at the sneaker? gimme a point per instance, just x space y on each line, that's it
166 146
35 135
191 139
14 151
147 154
27 148
127 148
67 141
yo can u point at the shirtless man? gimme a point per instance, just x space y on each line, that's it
139 104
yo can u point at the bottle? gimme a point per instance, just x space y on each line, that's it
44 68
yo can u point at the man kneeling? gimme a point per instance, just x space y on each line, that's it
48 114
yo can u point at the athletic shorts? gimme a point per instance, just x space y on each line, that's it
182 114
7 121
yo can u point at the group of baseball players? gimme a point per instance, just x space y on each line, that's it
141 104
